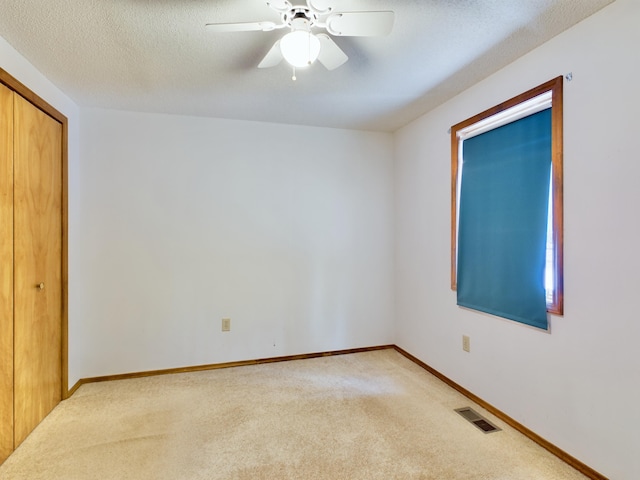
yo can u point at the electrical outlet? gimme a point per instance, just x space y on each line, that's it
466 345
226 324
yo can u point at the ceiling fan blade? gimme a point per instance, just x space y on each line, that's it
281 6
272 58
242 27
320 6
360 24
331 56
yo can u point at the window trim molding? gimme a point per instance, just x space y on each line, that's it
555 87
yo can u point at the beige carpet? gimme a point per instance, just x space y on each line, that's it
373 415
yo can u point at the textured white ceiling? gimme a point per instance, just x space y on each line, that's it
157 56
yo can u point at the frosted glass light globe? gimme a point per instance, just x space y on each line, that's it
300 48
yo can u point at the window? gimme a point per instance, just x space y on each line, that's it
519 140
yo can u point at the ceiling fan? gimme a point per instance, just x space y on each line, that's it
301 47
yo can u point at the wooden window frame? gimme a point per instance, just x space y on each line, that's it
555 87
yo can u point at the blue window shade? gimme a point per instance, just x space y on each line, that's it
502 223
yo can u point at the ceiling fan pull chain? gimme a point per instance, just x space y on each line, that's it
294 78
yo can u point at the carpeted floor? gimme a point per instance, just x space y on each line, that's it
373 415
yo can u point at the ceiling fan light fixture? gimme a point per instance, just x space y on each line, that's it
300 48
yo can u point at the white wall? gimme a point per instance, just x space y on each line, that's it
18 67
176 222
286 230
578 386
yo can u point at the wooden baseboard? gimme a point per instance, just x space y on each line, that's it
561 454
216 366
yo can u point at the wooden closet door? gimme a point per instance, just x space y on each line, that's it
37 266
6 272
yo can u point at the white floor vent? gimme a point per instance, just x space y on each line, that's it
478 420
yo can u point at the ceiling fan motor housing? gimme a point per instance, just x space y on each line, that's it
299 18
